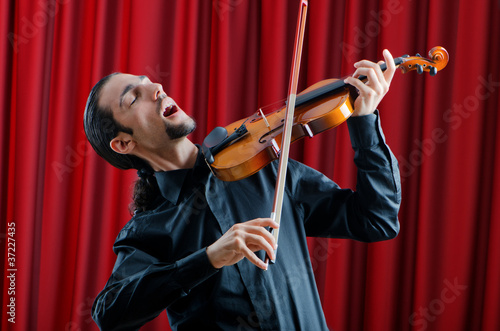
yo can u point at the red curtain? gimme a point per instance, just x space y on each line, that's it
62 206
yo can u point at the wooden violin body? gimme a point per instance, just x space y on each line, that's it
246 146
262 143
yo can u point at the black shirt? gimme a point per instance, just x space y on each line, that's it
161 254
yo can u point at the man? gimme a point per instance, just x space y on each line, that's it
195 245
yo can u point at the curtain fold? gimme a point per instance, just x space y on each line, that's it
61 206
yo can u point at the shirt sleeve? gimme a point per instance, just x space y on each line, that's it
141 286
370 213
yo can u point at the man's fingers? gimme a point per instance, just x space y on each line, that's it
256 243
242 240
263 232
365 64
386 75
258 226
376 86
389 60
254 258
263 222
245 244
376 80
257 237
391 66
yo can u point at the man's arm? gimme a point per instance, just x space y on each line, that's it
370 213
141 287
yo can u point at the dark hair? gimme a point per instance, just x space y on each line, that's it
100 128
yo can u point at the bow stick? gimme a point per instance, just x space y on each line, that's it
287 129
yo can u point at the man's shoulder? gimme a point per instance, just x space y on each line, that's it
143 220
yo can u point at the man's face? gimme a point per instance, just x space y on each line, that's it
143 106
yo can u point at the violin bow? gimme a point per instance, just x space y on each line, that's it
287 129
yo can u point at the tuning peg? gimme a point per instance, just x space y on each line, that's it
433 71
420 69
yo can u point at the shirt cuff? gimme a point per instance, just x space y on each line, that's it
194 269
364 130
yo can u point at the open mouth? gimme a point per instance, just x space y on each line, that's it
170 109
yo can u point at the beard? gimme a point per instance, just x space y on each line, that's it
180 130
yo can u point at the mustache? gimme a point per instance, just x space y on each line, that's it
159 102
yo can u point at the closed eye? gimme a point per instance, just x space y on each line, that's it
136 96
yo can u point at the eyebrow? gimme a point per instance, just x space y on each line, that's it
128 88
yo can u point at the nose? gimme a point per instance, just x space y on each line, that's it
157 91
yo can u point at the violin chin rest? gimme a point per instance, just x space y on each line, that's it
213 139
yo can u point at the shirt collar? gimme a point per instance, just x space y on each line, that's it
171 182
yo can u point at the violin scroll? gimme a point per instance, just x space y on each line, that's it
438 59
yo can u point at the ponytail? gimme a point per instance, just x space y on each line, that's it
146 190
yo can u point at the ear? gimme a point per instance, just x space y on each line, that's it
122 143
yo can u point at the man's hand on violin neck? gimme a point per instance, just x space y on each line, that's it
376 86
242 240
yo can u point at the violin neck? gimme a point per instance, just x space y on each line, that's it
334 87
383 66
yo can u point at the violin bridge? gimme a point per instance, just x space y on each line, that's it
275 147
264 118
308 130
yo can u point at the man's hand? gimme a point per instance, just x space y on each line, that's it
242 240
377 85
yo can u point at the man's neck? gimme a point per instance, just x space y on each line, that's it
181 155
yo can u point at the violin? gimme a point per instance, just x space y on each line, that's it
246 146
